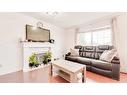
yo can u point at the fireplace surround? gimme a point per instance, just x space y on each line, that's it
34 47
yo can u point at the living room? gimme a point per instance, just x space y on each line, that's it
69 32
54 47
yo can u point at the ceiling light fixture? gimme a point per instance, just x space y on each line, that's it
52 13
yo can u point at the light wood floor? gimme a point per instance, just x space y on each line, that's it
42 76
36 76
93 78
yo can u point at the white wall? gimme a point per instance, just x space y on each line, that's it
70 39
121 38
12 29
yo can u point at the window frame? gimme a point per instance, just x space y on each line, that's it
97 29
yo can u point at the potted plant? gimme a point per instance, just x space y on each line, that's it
47 57
33 61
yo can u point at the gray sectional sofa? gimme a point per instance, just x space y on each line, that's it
89 55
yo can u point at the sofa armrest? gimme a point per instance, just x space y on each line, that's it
115 60
115 68
68 54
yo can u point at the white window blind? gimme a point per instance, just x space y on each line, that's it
96 37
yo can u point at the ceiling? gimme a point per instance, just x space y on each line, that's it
68 19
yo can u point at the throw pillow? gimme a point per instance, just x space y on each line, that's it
74 52
108 55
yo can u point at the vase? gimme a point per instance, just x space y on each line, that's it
36 65
31 64
45 62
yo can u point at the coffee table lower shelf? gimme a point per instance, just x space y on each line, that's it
64 75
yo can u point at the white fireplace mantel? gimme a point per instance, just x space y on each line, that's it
36 44
34 47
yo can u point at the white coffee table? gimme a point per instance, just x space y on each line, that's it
69 70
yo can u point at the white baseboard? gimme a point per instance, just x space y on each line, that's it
12 71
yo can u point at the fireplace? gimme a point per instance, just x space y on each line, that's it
36 59
37 48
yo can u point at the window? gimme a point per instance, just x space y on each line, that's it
96 37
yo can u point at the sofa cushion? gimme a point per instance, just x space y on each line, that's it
86 61
81 51
103 47
89 48
87 51
89 55
107 73
101 64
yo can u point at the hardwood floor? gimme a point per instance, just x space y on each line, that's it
36 76
93 78
42 76
102 79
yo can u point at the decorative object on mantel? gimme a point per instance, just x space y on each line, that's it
33 62
47 57
39 24
52 14
51 40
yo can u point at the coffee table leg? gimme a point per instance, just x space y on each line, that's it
73 78
51 70
84 75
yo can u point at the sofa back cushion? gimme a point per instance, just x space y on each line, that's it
93 51
87 51
100 49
